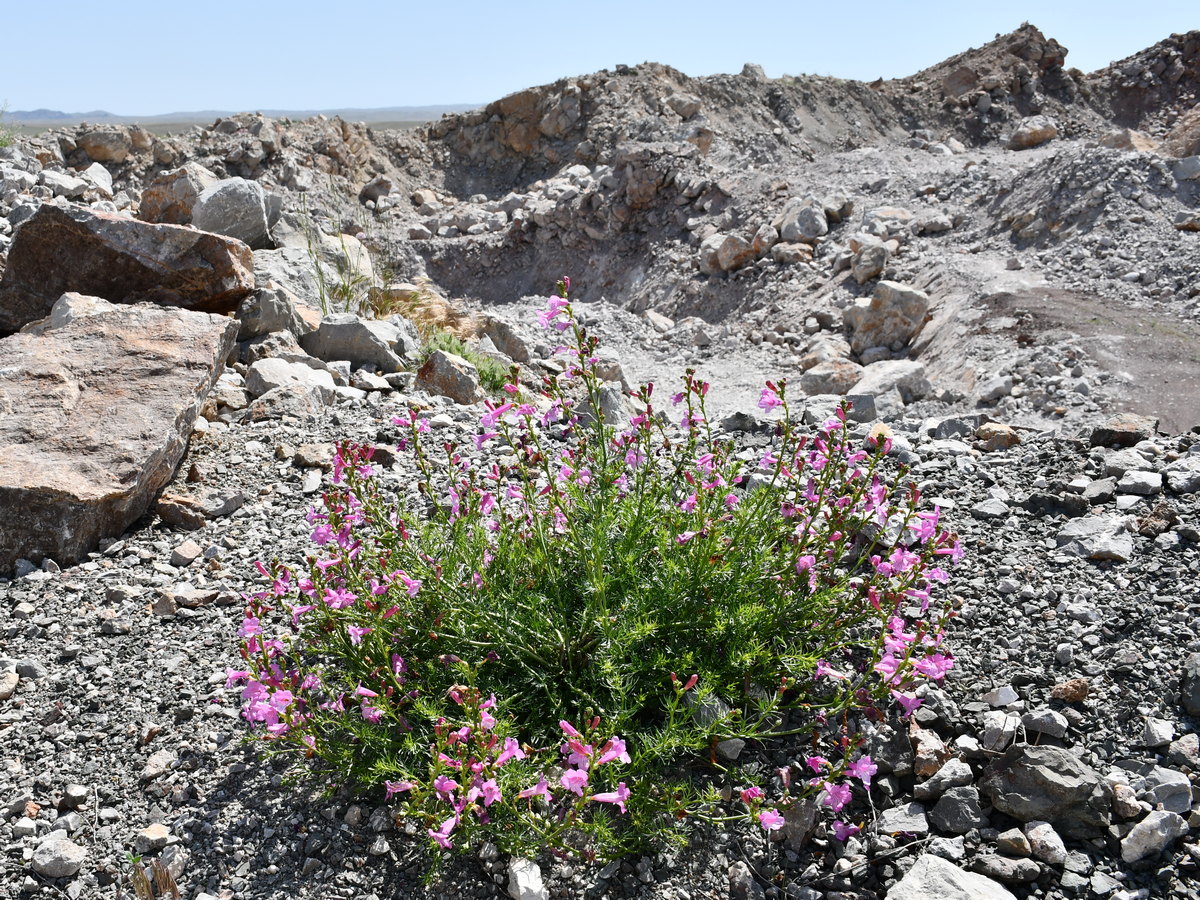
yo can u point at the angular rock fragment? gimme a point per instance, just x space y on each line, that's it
447 375
121 260
1049 784
103 398
171 196
933 877
890 318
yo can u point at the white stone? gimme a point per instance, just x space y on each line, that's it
525 880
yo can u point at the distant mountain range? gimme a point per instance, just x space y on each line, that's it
384 114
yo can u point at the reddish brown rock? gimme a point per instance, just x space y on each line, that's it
99 401
171 196
121 260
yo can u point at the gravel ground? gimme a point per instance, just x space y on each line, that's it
121 721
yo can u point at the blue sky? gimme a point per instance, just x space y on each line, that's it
143 58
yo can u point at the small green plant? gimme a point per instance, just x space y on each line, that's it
493 374
547 650
7 133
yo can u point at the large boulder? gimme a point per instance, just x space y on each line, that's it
121 260
100 400
236 208
1049 784
171 196
890 318
363 342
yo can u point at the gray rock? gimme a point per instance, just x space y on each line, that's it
363 342
991 510
1097 537
57 856
1168 788
1045 721
1118 462
1049 784
1142 483
1152 835
268 374
955 773
835 376
1189 685
1157 733
447 375
1045 843
1183 475
933 878
958 811
904 375
869 262
236 208
270 309
907 819
63 185
1002 868
171 196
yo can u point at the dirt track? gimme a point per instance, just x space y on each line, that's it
1154 356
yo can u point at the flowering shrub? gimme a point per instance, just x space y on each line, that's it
497 652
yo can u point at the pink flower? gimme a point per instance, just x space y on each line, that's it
411 585
685 536
836 796
689 504
613 750
751 794
575 780
619 796
541 789
816 763
862 769
770 819
250 626
442 835
768 400
547 316
370 713
908 702
731 500
445 786
804 563
489 791
339 598
826 670
357 634
512 750
397 787
934 666
842 831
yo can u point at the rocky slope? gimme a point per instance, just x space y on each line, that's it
993 256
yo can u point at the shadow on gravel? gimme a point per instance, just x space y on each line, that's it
1154 356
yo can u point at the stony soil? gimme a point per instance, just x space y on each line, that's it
1061 291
